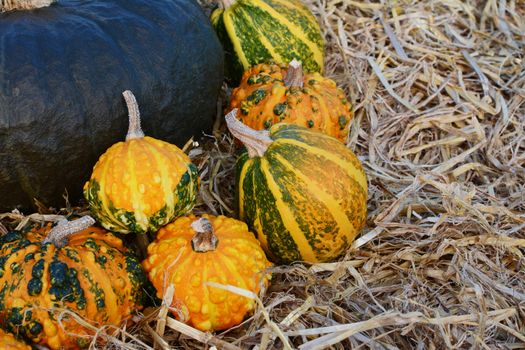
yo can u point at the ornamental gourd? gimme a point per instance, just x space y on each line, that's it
191 252
271 93
141 184
259 31
303 192
72 267
9 342
62 69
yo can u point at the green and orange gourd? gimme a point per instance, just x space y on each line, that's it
303 192
191 252
48 273
141 184
271 93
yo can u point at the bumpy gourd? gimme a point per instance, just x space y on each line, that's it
9 342
260 31
190 252
45 271
303 192
141 184
270 93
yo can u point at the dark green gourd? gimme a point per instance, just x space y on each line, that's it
62 70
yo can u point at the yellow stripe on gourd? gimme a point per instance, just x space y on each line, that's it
230 29
136 196
288 219
215 16
343 223
240 189
103 282
350 168
294 29
165 178
104 197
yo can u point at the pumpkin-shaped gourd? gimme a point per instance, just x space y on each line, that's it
141 184
46 272
271 93
63 67
303 192
260 31
191 252
9 342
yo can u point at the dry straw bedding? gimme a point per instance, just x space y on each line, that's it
439 95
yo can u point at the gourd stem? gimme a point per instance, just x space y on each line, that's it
60 233
12 5
226 3
257 142
134 131
204 239
294 75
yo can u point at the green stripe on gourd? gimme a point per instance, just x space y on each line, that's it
301 16
263 217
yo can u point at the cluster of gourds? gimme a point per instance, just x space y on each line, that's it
299 189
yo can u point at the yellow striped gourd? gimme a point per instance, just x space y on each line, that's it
260 31
303 192
141 184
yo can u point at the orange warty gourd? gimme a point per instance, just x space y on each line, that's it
141 184
271 93
191 252
46 274
9 342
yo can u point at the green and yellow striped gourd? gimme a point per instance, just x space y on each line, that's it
141 184
262 31
303 192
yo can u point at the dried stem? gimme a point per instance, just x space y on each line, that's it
294 75
60 233
204 239
13 5
225 4
134 131
257 142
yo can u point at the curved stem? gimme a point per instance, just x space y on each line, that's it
294 75
257 142
134 131
226 4
11 5
60 233
204 239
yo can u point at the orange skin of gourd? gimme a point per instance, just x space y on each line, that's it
8 342
115 282
238 260
319 104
